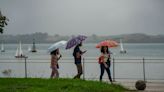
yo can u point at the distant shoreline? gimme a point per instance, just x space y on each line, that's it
45 38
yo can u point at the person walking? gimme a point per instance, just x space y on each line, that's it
104 61
77 53
55 56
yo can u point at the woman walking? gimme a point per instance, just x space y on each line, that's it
104 61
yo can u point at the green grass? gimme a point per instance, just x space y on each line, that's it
55 85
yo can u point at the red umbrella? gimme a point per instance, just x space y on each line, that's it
109 43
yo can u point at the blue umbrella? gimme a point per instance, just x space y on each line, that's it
75 40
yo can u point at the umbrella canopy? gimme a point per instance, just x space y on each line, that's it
75 40
56 46
109 43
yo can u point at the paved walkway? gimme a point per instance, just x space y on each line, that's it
150 86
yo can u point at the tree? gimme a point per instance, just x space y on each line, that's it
3 22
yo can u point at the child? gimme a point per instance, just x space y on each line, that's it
54 63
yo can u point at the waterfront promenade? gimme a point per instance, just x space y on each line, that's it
150 86
142 67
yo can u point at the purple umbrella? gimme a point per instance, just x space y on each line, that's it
75 40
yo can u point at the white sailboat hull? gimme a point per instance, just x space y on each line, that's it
122 51
19 52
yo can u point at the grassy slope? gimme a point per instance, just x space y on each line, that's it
55 85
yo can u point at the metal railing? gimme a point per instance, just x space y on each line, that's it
115 62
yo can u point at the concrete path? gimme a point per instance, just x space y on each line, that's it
150 86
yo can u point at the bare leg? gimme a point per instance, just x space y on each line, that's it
79 71
56 73
52 73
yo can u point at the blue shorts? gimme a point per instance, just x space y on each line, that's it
78 62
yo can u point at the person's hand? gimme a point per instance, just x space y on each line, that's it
84 51
106 66
60 56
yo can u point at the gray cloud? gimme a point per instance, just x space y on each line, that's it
68 17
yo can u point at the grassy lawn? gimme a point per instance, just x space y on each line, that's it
55 85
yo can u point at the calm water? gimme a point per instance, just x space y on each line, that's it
133 51
67 68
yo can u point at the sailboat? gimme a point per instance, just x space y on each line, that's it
121 48
2 48
19 52
33 47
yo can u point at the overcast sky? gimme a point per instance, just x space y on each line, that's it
72 17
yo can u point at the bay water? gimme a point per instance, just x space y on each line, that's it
127 66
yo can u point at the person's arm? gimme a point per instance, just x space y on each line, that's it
52 60
78 55
84 52
59 56
106 66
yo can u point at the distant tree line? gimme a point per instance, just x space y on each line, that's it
28 38
25 38
45 38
